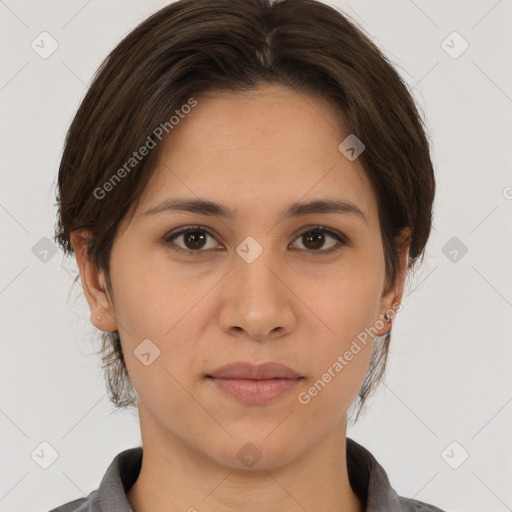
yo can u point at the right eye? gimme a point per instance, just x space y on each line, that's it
194 238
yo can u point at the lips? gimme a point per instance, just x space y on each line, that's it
242 370
255 384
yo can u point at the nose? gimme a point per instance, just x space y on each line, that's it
257 301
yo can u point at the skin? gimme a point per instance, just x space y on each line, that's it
258 153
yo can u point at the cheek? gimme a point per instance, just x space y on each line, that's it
340 371
345 311
344 303
163 391
151 297
362 293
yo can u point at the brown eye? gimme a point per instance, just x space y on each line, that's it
194 239
314 240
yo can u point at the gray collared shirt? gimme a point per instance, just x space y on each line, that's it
367 478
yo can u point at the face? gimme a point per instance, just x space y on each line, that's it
197 290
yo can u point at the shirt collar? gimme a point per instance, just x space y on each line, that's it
367 478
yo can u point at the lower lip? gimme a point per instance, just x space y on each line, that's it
252 391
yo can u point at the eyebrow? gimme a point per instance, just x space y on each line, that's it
206 207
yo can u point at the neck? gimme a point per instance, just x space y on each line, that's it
175 477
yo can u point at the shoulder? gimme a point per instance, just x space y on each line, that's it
410 505
110 496
371 483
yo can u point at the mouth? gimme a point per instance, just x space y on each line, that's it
255 384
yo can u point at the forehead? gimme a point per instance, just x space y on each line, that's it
257 150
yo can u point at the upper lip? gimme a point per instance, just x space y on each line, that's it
245 370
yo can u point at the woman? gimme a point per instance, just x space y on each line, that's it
245 187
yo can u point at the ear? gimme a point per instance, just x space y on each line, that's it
392 297
93 283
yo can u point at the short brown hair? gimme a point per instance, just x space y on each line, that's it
194 46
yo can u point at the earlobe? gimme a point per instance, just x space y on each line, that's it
93 284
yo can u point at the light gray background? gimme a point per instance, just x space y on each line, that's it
448 377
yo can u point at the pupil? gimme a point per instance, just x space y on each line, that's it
193 238
316 237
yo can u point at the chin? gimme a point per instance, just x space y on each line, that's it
254 453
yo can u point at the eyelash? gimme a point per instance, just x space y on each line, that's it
343 240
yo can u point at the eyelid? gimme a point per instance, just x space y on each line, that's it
342 239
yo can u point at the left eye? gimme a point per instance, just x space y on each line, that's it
317 236
194 238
